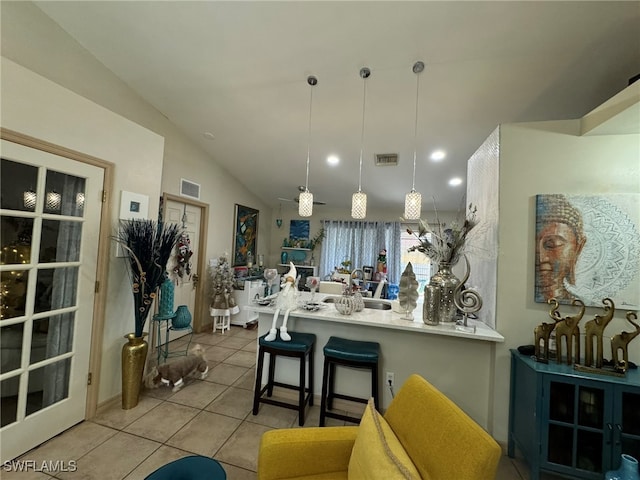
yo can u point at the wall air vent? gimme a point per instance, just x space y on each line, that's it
386 159
189 189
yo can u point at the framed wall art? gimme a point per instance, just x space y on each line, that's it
132 206
245 234
588 247
299 230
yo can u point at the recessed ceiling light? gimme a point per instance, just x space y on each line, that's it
209 136
333 160
454 182
438 155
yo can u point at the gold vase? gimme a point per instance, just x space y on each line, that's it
134 356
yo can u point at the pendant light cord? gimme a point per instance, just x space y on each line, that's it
311 81
415 131
364 73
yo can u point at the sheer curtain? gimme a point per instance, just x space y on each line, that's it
361 243
65 286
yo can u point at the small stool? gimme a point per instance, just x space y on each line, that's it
222 317
300 346
349 353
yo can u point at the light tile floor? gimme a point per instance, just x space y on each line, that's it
209 417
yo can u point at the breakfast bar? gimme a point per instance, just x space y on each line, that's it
456 362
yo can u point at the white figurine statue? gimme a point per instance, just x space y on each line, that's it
287 300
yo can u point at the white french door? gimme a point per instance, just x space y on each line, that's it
50 212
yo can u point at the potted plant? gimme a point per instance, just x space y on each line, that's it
147 245
316 242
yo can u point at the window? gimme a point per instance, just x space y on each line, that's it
361 242
419 261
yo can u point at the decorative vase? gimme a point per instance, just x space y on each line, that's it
182 318
165 308
628 470
284 256
439 306
134 356
358 302
344 305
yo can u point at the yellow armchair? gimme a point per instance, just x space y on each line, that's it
423 436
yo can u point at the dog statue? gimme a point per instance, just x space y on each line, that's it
172 374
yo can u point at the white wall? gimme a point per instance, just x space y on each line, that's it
90 110
537 158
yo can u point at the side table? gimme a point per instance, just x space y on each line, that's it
163 350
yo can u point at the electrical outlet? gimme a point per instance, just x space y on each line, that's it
390 378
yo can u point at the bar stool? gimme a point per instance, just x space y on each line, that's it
349 353
300 346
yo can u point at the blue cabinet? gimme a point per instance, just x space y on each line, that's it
572 423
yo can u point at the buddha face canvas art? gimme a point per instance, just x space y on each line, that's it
588 247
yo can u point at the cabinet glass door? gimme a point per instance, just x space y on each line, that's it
562 400
576 431
628 425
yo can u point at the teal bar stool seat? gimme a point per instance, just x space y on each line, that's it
194 467
349 353
300 346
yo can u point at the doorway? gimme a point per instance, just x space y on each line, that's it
188 274
51 216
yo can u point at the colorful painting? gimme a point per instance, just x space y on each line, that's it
588 247
245 234
299 230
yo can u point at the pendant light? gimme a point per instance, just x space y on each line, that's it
359 199
279 218
305 200
413 199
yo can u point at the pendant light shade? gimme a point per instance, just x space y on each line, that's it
359 199
305 200
359 205
413 199
412 205
305 205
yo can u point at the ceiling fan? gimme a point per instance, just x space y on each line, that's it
297 198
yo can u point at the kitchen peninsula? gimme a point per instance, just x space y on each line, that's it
459 363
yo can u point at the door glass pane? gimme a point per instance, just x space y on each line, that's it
60 241
9 405
56 288
18 183
56 331
590 407
11 338
561 400
48 385
15 238
631 413
64 194
631 446
13 293
589 454
560 444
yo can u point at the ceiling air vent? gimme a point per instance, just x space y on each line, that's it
189 189
386 159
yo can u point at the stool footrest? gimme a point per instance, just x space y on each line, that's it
339 416
348 397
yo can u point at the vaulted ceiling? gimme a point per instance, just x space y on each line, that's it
233 77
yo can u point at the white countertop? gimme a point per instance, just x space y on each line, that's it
385 319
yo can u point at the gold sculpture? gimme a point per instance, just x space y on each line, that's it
621 342
568 330
542 332
594 329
